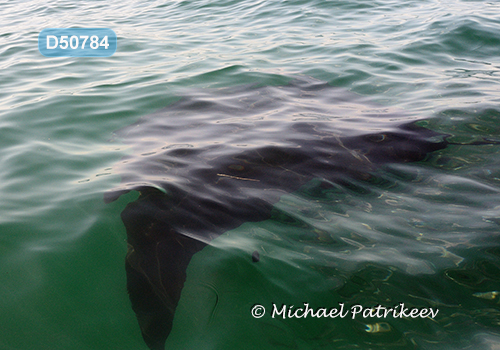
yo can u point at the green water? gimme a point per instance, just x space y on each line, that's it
424 234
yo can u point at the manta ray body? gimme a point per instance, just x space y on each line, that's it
217 158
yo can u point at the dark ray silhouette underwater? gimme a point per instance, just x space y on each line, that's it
220 157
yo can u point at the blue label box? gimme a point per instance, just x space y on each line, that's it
77 42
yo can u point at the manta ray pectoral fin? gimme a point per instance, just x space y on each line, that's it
155 319
156 264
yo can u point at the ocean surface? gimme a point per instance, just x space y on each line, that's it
425 234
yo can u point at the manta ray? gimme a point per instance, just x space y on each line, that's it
218 158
